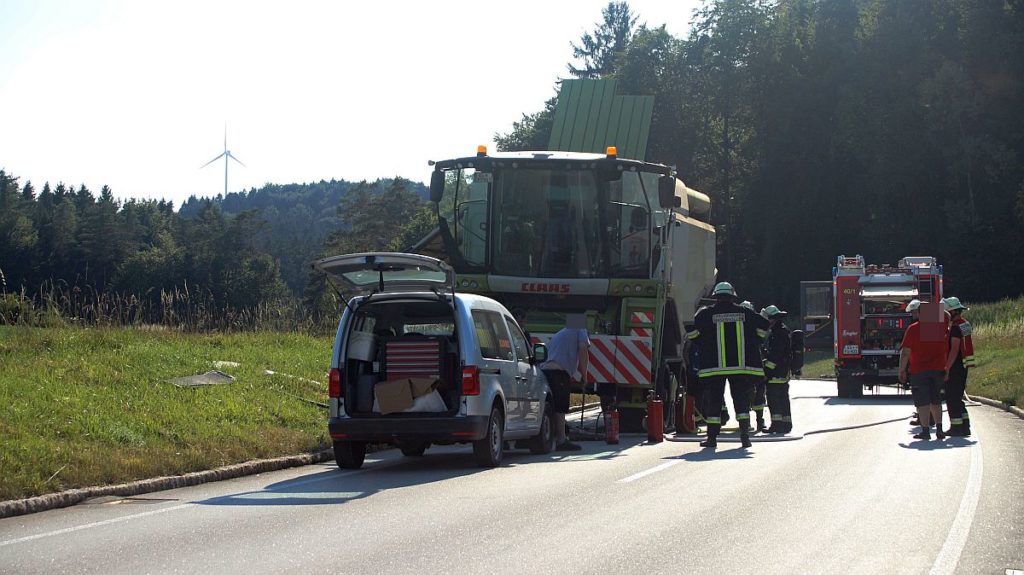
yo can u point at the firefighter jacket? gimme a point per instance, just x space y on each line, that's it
729 338
966 344
778 354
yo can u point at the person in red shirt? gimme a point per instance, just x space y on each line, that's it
923 357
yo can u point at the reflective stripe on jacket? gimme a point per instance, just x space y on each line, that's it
966 344
729 338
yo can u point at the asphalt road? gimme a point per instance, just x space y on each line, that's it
855 495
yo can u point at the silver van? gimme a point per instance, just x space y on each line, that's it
417 364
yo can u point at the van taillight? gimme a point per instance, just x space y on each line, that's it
334 387
471 380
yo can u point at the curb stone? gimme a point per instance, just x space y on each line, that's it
999 404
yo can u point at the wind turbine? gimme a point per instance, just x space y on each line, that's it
226 154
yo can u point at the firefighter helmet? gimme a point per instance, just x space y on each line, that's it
914 305
772 312
748 305
724 288
953 304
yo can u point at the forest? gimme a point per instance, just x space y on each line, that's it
818 127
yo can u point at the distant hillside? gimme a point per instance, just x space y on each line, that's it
298 217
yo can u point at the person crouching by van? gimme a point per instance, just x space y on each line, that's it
568 358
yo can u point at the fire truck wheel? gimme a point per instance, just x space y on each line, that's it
849 387
349 454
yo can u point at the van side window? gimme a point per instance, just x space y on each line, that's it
493 338
518 340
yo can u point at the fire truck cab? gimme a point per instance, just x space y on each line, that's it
871 316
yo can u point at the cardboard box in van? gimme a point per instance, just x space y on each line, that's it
393 396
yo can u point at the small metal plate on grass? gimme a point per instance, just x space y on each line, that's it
208 378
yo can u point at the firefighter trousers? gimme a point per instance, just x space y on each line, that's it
955 406
778 405
740 386
757 400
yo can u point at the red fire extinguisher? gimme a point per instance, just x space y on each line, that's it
655 419
611 426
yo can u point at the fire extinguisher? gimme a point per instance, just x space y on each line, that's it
655 419
611 426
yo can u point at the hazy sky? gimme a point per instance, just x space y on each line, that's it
136 94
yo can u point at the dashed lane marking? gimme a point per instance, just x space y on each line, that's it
650 471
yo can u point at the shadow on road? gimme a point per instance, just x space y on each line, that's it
714 454
334 486
858 426
871 400
935 444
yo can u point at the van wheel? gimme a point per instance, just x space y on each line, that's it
414 448
544 441
349 454
488 451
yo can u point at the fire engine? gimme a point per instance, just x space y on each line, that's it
871 316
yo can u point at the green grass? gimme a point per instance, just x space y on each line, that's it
999 350
81 407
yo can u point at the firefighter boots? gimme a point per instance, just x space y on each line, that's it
956 430
745 438
711 442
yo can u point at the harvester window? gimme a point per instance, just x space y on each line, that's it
464 209
630 224
547 223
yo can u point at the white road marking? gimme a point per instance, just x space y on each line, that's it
91 525
650 471
186 505
949 556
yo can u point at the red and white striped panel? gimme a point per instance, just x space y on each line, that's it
616 358
645 317
412 358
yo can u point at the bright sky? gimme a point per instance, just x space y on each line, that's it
136 94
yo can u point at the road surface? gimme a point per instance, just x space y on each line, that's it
855 495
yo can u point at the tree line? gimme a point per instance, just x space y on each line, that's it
818 127
219 258
886 128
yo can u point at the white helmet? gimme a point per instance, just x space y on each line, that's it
913 305
724 288
748 305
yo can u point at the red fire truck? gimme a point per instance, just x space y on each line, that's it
871 317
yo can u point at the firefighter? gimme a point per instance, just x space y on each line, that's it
777 364
728 336
757 399
959 360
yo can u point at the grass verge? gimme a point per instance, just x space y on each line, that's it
82 407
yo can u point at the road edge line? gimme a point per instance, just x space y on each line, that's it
956 539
